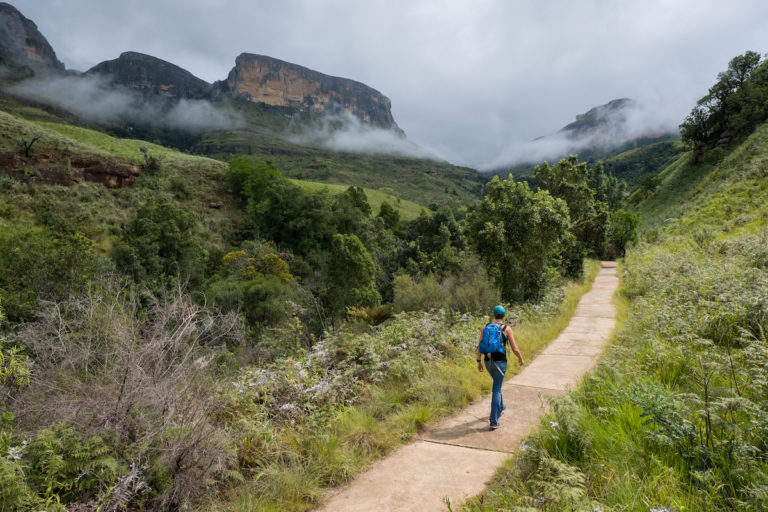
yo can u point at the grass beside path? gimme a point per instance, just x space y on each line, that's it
534 335
295 462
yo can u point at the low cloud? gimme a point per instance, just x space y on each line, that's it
94 98
612 129
344 132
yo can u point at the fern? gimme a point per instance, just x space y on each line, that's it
63 465
124 490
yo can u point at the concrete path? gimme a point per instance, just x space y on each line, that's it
457 457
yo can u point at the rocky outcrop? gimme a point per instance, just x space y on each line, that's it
256 78
23 49
264 79
153 75
46 169
611 116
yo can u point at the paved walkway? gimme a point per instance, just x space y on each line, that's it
457 457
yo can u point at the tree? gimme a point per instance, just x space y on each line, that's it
520 236
568 180
26 143
607 188
648 183
150 162
352 275
260 283
248 179
351 211
622 229
733 106
160 242
390 216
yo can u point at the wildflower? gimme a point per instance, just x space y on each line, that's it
554 424
321 388
15 452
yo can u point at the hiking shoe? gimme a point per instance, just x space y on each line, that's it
494 426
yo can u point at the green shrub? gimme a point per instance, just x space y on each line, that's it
62 464
16 493
38 265
179 187
470 290
161 241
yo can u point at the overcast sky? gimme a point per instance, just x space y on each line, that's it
469 79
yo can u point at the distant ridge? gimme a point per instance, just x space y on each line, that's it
23 49
147 73
254 78
600 133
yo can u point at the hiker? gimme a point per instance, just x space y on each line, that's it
493 337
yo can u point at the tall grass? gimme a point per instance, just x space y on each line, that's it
296 462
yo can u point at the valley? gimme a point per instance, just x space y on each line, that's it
241 294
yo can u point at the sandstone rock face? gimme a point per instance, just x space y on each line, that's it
51 170
150 74
23 49
264 79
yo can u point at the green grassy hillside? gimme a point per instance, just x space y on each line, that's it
426 182
628 161
423 181
676 415
408 209
647 160
195 180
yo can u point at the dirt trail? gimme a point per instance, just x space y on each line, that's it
457 457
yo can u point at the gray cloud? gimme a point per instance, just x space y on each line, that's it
638 120
345 132
93 98
470 79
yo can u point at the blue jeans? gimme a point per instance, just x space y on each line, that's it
497 403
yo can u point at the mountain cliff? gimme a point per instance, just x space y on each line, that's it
150 74
255 78
259 78
23 49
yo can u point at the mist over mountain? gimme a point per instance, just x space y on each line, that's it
601 131
345 132
139 94
99 99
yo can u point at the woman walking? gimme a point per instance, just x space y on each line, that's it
493 338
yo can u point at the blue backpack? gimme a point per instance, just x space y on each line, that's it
493 339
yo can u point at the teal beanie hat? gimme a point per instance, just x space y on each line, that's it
499 311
